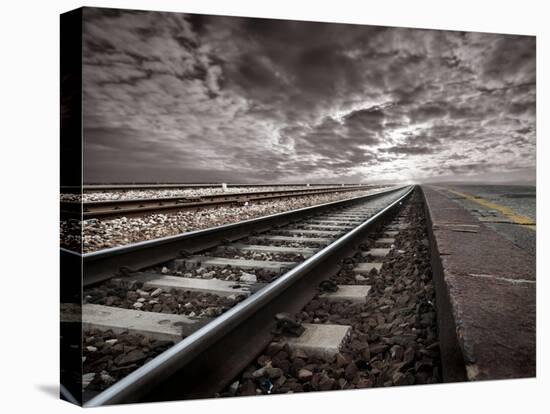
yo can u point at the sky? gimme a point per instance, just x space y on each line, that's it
172 97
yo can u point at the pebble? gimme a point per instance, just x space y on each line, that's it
248 278
350 371
396 352
131 357
399 378
133 284
138 305
106 378
248 388
299 353
341 360
325 383
156 292
87 378
234 387
377 348
259 373
305 374
273 373
91 348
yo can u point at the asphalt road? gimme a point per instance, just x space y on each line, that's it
508 209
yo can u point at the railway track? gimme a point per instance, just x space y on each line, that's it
152 186
220 290
135 207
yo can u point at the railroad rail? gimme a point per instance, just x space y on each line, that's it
156 186
313 240
132 207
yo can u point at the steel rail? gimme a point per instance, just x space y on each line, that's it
144 186
104 264
182 371
116 208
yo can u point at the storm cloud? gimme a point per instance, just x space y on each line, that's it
181 97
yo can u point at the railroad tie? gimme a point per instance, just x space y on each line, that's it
376 252
342 217
399 226
212 286
153 325
321 240
327 220
207 261
304 251
365 268
319 340
328 227
312 232
352 293
349 216
385 240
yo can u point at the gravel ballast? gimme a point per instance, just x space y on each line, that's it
148 299
169 192
228 273
190 192
101 234
109 357
134 194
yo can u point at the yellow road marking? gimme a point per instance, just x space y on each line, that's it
505 211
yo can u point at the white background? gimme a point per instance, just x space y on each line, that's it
30 175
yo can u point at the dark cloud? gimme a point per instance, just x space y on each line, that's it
409 150
365 120
171 96
511 58
429 111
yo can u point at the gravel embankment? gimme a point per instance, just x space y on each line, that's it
100 234
394 334
161 193
158 193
